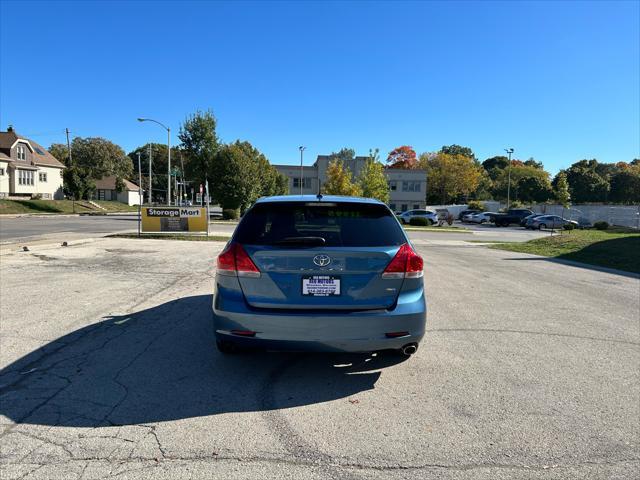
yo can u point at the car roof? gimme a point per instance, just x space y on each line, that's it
318 198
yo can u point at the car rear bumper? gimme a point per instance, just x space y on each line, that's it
358 331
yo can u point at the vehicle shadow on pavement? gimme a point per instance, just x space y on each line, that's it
161 364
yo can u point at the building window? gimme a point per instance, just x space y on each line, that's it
404 207
416 206
411 186
392 206
306 183
22 154
42 176
1 172
393 186
25 177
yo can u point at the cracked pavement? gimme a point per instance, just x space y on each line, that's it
530 369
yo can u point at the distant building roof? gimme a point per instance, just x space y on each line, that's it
109 183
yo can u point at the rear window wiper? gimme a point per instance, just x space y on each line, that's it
301 241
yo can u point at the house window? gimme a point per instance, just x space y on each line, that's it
25 177
411 186
306 183
42 176
393 186
1 172
22 154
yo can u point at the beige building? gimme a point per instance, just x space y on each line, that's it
407 188
106 190
27 169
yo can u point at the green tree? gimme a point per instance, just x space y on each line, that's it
372 181
532 162
60 152
520 171
562 194
268 177
534 189
344 154
458 150
339 181
159 164
77 183
625 185
500 162
235 184
585 184
199 144
449 176
100 158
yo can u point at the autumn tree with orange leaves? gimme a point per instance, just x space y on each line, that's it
402 157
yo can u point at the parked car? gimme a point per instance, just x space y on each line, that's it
464 213
406 217
526 221
514 215
551 221
323 273
481 217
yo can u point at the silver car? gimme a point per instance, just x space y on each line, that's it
406 217
550 221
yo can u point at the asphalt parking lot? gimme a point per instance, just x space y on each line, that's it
530 369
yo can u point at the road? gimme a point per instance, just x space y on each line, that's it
74 227
529 370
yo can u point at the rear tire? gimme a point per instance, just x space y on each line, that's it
226 348
542 226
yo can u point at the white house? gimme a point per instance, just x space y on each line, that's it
27 169
106 190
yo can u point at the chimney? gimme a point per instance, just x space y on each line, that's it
10 128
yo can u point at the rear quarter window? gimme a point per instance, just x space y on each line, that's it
340 224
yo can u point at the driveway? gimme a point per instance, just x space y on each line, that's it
529 370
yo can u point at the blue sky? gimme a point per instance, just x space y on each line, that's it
557 81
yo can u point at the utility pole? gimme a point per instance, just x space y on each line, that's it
509 151
301 170
139 193
150 189
169 165
182 190
73 197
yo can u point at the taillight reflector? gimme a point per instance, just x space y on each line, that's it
405 264
234 260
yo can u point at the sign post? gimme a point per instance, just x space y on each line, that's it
207 182
176 219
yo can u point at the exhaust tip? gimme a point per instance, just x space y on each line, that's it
409 349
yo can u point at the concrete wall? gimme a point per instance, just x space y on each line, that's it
621 215
489 206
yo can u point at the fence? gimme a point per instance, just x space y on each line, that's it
621 215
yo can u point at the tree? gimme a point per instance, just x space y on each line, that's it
494 165
339 181
534 189
585 184
562 190
402 157
449 176
268 177
532 162
199 144
372 181
60 152
235 184
344 154
458 150
77 182
159 164
625 185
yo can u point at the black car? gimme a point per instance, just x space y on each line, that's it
466 212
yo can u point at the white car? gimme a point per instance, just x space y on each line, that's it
406 217
481 217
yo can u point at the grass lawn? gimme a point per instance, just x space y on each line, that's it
58 206
616 247
171 236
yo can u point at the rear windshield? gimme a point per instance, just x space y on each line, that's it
340 224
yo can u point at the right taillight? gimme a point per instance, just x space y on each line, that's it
405 264
234 260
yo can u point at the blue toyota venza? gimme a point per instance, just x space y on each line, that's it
319 273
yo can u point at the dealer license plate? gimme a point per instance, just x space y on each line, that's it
321 286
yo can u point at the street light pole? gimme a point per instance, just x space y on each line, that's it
168 154
509 151
139 193
150 181
301 170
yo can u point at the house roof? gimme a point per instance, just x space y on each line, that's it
109 183
4 157
40 154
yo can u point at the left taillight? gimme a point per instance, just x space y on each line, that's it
234 260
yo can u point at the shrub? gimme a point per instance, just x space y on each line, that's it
450 219
601 225
476 205
230 214
569 226
419 221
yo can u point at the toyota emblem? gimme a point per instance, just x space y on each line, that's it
322 260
